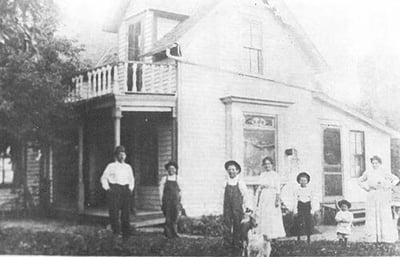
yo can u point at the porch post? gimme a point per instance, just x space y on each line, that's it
174 147
81 197
117 115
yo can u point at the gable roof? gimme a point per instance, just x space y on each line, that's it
115 19
281 13
169 39
350 111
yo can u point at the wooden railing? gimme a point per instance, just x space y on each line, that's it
124 78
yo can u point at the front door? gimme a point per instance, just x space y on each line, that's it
332 163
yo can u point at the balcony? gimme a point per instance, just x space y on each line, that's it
124 78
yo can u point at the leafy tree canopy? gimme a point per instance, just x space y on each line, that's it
35 71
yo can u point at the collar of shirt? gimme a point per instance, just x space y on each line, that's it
233 181
172 177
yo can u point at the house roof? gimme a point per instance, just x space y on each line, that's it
174 35
109 56
350 111
114 20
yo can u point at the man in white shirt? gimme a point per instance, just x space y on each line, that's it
118 181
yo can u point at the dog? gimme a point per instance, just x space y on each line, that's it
252 242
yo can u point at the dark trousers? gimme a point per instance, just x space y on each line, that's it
232 216
304 219
118 204
171 213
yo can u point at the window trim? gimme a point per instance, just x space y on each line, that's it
2 184
352 172
247 48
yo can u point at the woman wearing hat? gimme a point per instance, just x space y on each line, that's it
170 194
303 208
380 225
269 204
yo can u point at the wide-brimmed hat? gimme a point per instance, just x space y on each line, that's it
303 174
340 203
234 163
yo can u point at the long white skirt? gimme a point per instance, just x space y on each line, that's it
269 217
380 225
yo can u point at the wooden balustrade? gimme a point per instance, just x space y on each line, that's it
124 78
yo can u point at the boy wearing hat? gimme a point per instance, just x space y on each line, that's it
344 219
303 206
118 181
235 198
170 195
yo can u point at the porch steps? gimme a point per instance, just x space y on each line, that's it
357 208
143 218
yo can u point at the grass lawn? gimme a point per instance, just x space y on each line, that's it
61 238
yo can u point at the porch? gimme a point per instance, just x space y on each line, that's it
127 103
124 78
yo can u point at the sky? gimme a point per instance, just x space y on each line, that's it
350 34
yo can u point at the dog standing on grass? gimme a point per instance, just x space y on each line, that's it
252 242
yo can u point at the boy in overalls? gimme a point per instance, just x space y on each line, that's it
235 197
170 192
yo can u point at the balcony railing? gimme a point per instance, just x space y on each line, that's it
124 78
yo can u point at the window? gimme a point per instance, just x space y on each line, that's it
134 41
252 36
6 168
357 152
259 142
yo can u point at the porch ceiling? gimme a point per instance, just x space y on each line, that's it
131 102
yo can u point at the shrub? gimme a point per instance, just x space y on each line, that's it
210 225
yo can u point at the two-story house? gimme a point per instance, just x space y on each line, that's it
203 82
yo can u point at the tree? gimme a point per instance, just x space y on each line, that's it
35 71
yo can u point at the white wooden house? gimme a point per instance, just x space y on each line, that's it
209 81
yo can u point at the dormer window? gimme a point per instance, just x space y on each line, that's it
252 46
134 41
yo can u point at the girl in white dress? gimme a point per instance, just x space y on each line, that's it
380 225
270 223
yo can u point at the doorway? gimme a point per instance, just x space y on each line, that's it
332 163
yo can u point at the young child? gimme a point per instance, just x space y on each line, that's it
235 197
303 206
344 219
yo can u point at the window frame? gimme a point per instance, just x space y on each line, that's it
353 145
3 184
249 46
273 128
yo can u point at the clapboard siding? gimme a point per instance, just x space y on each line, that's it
164 147
148 198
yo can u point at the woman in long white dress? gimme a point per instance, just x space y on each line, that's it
380 225
268 210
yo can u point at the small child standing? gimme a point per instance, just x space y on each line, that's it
235 198
344 219
303 206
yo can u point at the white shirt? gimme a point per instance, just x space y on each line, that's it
344 221
303 194
118 173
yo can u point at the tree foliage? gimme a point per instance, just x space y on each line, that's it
35 71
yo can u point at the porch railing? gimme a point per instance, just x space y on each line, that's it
124 78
